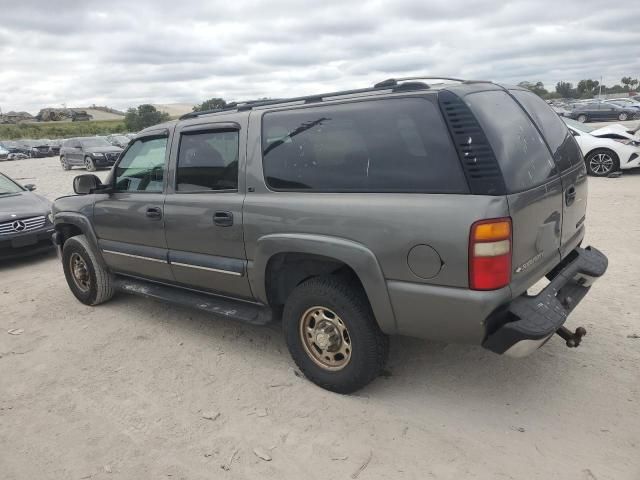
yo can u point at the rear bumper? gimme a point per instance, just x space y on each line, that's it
532 320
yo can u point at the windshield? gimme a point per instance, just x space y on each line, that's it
8 186
581 127
94 142
121 138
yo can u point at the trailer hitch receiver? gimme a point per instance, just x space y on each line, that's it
572 339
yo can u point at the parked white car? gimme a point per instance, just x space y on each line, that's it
616 131
604 156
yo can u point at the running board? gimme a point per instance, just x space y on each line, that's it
220 306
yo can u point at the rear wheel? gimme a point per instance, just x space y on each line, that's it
602 162
89 281
623 116
582 118
332 334
89 164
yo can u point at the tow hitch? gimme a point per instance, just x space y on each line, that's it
572 339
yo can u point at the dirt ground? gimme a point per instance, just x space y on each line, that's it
121 391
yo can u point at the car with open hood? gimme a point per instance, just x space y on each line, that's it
25 226
603 154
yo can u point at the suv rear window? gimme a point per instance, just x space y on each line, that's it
524 158
395 145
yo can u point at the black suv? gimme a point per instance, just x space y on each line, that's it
90 152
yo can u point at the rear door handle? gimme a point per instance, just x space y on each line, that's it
154 213
570 195
223 219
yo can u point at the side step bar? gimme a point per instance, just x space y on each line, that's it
220 306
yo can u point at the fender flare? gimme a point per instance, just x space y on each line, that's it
358 257
84 224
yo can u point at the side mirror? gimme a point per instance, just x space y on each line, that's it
30 186
85 184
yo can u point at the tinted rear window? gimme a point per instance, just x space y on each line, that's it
396 145
524 158
564 148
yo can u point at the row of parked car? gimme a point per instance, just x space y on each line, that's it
599 110
21 149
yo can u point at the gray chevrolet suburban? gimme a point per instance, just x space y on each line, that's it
425 207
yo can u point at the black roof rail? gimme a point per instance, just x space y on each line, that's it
391 84
395 82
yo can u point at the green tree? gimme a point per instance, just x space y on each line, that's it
211 104
537 88
144 116
587 88
565 89
626 81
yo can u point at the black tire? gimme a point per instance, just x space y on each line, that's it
623 116
602 162
100 281
369 346
89 164
582 118
65 165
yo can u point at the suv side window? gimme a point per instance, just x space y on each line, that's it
142 167
208 161
391 145
565 151
524 158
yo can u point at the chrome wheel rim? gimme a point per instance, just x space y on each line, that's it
601 163
325 338
623 117
87 164
582 118
79 272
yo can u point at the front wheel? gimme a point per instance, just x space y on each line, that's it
89 281
65 165
582 118
89 164
332 334
602 162
623 117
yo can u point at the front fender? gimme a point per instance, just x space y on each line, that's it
84 225
358 257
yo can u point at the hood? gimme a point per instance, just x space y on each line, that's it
23 204
615 130
105 149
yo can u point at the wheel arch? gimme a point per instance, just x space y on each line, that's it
303 256
70 224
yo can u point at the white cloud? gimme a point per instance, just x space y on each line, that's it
123 53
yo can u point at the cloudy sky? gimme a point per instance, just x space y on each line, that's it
123 53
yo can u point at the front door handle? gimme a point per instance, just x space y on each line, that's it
155 213
223 219
570 195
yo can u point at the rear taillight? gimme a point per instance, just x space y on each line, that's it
490 254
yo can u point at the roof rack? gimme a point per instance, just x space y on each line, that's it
391 84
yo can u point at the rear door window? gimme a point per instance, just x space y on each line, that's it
564 149
208 161
395 145
524 158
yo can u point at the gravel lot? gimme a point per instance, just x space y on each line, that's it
121 390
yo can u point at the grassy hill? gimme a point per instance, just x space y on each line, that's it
60 129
